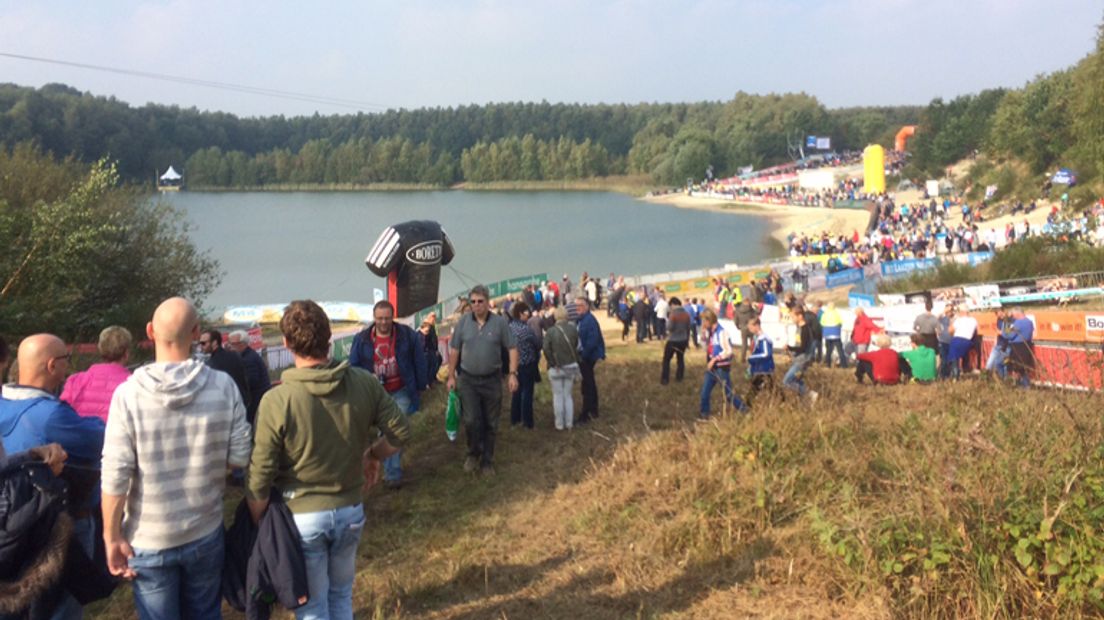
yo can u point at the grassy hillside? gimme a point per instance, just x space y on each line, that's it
970 499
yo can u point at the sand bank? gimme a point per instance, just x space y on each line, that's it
786 219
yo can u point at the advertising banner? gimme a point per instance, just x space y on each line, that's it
976 258
982 296
900 319
858 300
841 278
1051 295
896 268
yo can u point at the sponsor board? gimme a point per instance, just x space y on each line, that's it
841 278
1094 324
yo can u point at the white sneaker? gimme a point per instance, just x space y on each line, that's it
813 396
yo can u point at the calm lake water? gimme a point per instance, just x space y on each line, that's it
275 247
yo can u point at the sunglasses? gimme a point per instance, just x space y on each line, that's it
67 357
477 301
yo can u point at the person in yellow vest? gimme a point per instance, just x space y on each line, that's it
831 324
724 298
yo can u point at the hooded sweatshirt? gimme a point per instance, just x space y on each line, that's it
173 429
312 431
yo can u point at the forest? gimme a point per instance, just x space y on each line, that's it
436 146
1053 120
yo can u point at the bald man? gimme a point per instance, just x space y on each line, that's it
32 415
174 427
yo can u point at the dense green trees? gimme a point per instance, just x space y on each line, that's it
82 253
1053 120
437 146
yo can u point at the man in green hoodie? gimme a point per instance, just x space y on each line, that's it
313 432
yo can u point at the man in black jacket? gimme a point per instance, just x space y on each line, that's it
256 371
210 343
802 354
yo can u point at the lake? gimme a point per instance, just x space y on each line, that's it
279 246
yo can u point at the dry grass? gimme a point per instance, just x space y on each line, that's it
880 502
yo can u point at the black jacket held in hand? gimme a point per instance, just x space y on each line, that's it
264 563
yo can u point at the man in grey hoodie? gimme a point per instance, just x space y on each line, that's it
173 429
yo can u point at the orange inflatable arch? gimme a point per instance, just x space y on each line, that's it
902 137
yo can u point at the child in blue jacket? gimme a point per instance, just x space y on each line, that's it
760 360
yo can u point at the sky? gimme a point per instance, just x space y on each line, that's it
376 55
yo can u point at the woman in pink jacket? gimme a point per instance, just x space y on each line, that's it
89 392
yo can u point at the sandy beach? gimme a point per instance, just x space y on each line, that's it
786 219
815 220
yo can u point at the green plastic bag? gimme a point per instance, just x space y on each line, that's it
452 415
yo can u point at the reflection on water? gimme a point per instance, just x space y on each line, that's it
276 246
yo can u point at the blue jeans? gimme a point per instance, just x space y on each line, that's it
944 362
521 403
793 378
392 465
719 374
837 345
180 582
996 362
330 540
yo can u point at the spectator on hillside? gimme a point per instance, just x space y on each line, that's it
944 336
660 322
761 360
528 348
394 353
862 330
695 309
338 413
1001 349
475 358
881 365
1021 339
162 514
428 328
592 349
962 331
926 325
210 344
256 371
718 365
89 392
801 356
919 361
31 415
561 343
679 320
831 327
742 315
641 315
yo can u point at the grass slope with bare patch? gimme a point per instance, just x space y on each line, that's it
971 499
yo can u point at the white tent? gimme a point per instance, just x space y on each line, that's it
171 175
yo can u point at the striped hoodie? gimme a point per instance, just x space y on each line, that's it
172 430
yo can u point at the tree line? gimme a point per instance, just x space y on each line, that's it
438 146
1053 120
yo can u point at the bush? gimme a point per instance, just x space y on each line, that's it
1044 256
82 253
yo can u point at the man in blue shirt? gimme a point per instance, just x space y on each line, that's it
1021 359
32 415
592 347
694 308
